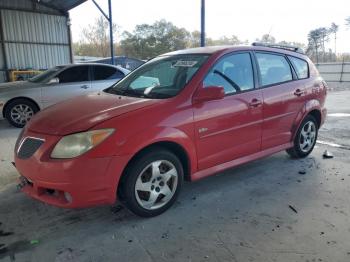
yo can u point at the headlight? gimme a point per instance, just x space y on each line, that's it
74 145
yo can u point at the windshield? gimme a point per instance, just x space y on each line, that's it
45 76
162 77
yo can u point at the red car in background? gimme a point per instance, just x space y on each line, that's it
182 115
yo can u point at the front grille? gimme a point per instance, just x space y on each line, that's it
28 147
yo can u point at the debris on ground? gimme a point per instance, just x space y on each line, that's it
302 172
34 242
165 235
293 208
327 154
4 234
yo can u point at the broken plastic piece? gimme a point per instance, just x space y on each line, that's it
327 154
291 207
34 242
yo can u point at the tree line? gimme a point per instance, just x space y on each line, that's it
149 40
146 40
317 40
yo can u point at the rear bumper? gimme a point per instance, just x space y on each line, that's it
72 183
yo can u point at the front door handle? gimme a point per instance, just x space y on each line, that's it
84 86
255 103
298 92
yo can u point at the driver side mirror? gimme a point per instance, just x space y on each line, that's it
209 93
54 80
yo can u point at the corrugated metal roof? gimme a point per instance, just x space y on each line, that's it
63 5
25 5
2 62
42 5
2 76
32 27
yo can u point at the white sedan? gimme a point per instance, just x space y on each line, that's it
19 101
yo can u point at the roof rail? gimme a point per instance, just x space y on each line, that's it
285 47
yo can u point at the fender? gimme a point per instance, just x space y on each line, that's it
310 105
133 144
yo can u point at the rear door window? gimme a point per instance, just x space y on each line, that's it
301 67
106 72
273 69
74 74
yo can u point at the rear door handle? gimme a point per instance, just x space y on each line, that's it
298 92
84 86
255 103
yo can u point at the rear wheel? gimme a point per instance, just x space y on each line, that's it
152 182
305 138
18 112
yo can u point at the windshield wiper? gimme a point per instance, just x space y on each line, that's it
125 92
158 95
111 90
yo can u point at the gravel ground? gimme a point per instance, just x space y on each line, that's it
273 209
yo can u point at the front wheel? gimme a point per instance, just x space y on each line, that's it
152 182
19 111
305 138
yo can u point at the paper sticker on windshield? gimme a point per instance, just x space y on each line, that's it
182 63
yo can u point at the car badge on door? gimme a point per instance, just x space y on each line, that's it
203 129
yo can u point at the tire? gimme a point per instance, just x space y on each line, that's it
305 138
19 111
146 177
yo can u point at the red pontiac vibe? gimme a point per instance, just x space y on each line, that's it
182 115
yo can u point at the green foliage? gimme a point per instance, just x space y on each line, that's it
317 40
148 41
95 39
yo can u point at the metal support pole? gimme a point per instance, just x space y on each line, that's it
110 21
203 23
111 30
3 50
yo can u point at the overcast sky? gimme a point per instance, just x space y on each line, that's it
285 20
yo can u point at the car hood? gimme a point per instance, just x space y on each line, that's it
81 113
18 85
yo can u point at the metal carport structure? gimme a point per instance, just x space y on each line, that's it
34 34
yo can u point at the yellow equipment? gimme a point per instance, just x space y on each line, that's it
19 75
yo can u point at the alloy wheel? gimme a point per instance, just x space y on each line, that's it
21 114
307 136
156 184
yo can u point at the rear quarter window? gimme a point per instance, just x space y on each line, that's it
301 67
106 73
